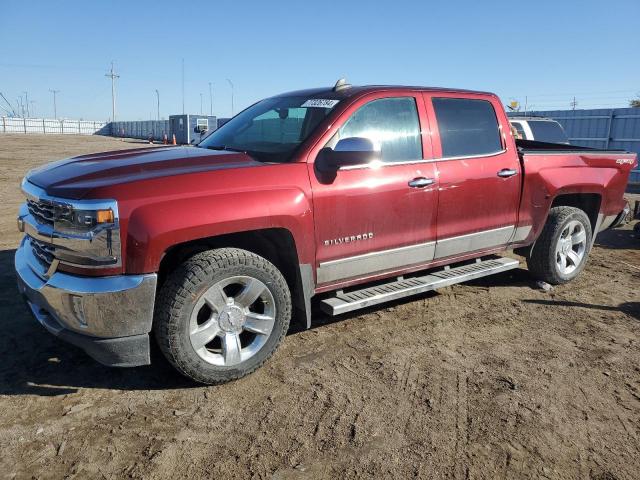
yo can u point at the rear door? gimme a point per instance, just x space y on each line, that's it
378 217
479 174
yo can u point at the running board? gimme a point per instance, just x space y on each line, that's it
344 302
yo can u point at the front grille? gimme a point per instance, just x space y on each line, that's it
43 212
44 252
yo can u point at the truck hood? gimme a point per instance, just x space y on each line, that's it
74 177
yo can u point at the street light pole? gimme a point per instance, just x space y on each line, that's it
158 98
210 100
200 104
231 83
55 109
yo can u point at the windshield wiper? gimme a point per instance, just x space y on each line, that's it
224 147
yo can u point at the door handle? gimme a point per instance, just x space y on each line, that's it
507 172
421 182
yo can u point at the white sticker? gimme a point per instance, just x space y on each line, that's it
320 103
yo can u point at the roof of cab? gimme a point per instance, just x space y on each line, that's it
346 92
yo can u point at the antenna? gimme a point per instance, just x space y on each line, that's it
341 85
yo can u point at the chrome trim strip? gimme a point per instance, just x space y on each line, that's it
469 157
471 242
380 164
372 262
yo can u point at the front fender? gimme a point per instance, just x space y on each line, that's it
155 227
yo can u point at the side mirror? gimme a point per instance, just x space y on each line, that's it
348 152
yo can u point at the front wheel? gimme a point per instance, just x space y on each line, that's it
561 251
222 314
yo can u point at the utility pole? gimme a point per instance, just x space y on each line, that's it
33 107
112 75
26 101
210 100
200 104
231 83
574 104
183 86
158 98
55 109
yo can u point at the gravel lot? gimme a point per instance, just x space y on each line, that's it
493 379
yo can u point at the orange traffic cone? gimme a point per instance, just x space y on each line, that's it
173 142
165 140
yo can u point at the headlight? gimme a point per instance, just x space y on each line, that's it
72 220
79 233
87 237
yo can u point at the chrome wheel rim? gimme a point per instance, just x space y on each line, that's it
571 247
232 320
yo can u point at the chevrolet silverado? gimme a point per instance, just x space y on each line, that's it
353 195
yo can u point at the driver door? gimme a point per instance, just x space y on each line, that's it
377 218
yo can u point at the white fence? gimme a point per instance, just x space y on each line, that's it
52 126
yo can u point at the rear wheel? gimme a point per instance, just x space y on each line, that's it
561 251
222 314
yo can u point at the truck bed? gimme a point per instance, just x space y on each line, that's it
532 146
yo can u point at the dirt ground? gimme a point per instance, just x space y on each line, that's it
492 379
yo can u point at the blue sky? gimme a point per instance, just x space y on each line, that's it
546 50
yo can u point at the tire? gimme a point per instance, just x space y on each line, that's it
545 260
221 315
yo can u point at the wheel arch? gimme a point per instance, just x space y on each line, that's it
274 244
589 203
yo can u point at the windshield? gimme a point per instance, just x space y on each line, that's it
547 131
271 130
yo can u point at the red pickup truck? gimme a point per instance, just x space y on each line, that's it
356 195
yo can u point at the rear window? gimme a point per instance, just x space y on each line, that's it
546 131
519 129
467 127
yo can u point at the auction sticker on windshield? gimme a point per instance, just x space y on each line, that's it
320 103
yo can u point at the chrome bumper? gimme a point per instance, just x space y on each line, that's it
110 317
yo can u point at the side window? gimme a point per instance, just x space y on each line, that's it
391 123
467 127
